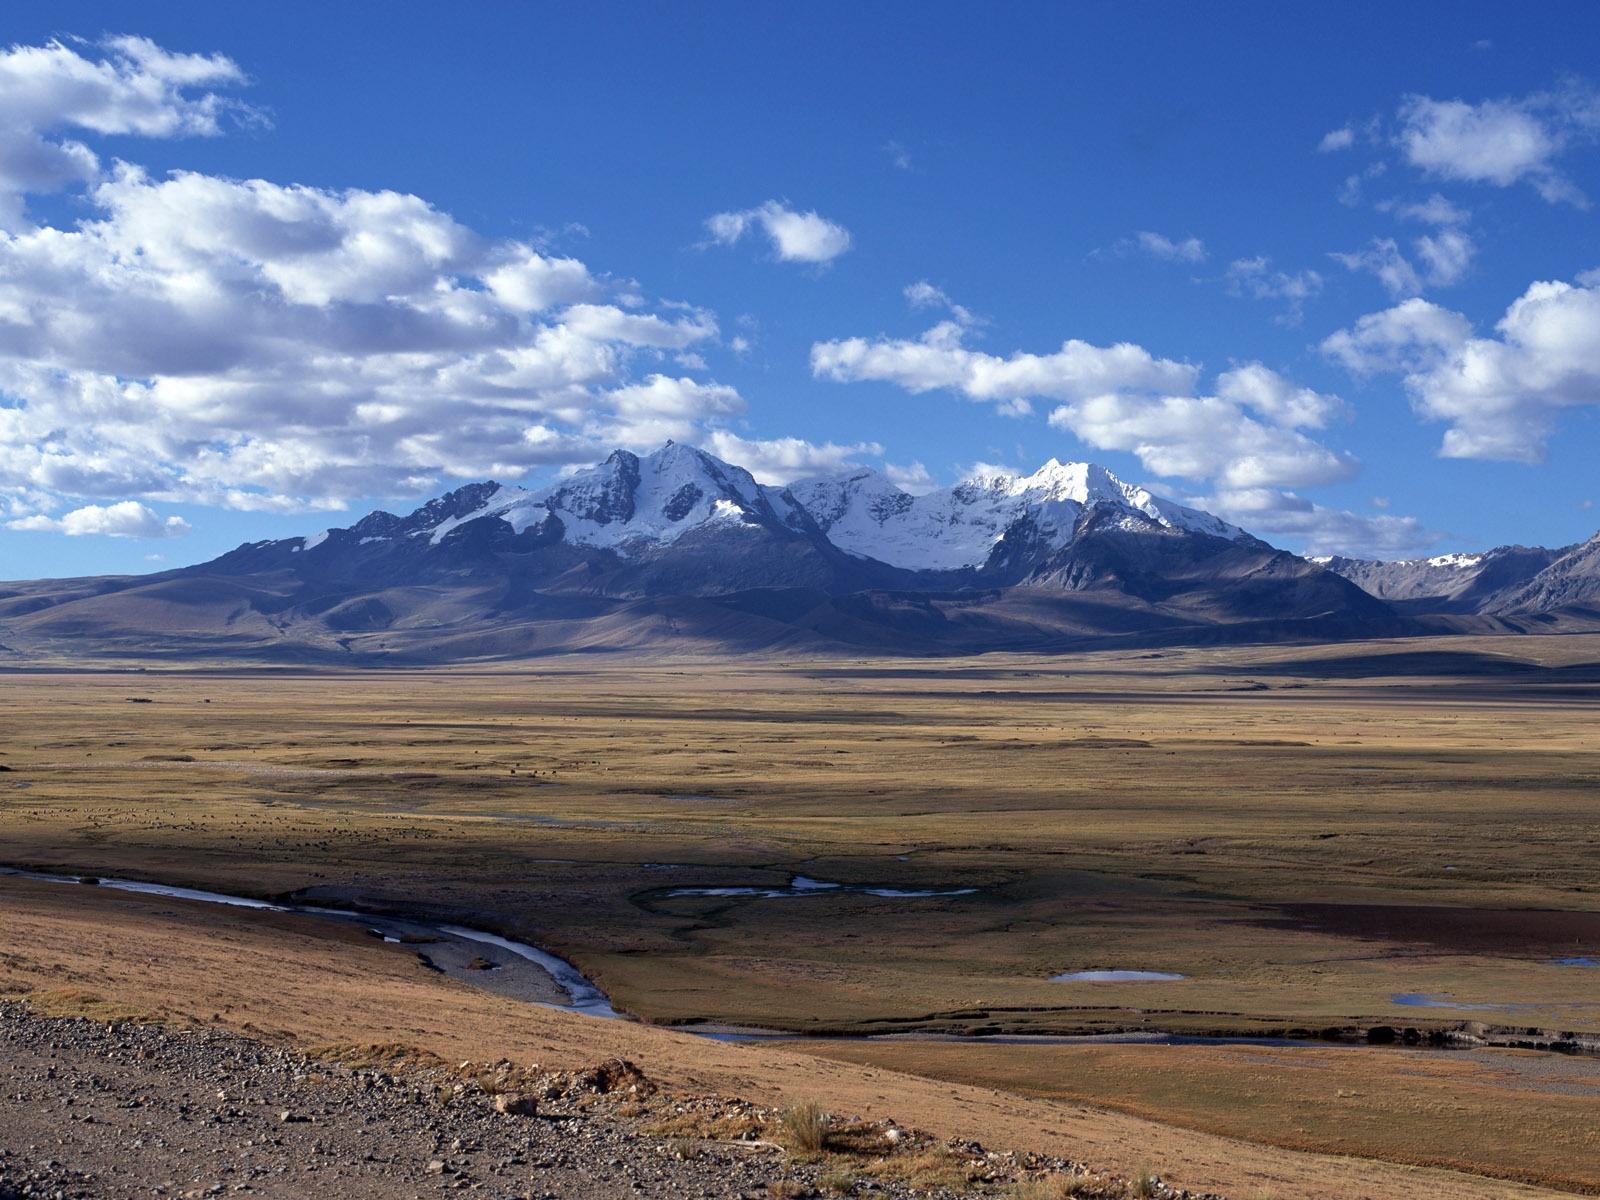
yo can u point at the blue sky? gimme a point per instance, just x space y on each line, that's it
1330 271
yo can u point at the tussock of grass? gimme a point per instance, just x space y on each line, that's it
934 1167
805 1127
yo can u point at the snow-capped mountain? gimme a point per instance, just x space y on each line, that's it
630 504
637 506
1505 580
964 526
678 547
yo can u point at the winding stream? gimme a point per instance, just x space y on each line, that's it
584 996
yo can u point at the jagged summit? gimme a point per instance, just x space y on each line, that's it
636 504
964 526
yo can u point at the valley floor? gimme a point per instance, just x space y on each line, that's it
1387 836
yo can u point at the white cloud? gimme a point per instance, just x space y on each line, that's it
1120 398
1279 515
1277 400
1447 255
125 519
527 281
899 155
782 460
1337 139
795 236
923 294
663 409
1501 396
270 347
1444 256
1190 249
912 477
1499 142
1435 210
938 360
1352 192
1255 278
134 88
1383 258
1409 336
1203 437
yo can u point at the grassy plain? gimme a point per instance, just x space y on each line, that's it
1303 833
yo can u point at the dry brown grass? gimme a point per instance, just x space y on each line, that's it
1474 1111
1116 810
1065 790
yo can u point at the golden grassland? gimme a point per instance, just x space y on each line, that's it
1302 832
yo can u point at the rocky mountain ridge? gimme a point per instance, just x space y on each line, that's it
1506 581
680 551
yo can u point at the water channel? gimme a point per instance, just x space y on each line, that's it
582 995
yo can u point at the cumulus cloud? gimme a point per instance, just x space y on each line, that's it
272 347
939 360
1499 142
782 460
1277 400
795 236
663 408
1204 438
1410 336
135 87
1500 396
1246 433
125 519
1320 530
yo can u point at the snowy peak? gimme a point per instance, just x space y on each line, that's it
962 527
634 506
629 501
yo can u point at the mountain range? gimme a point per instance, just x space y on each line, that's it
677 550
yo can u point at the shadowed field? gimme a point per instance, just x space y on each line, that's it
1303 834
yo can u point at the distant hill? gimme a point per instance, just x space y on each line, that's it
677 550
1508 582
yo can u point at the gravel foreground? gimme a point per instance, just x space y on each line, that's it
97 1111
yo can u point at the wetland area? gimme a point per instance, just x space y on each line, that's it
1380 843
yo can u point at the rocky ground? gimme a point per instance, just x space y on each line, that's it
121 1110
